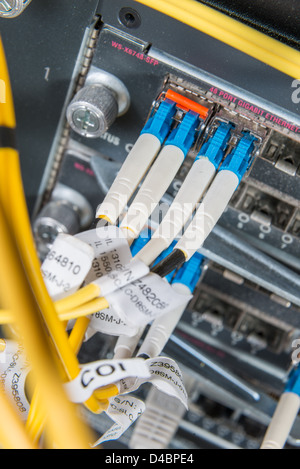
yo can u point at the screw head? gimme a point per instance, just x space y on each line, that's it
92 111
129 18
12 8
7 7
85 120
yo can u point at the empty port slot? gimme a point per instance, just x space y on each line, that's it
252 427
294 227
260 334
214 311
283 152
213 409
263 208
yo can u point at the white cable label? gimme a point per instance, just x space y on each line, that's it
119 278
14 369
108 322
111 269
124 411
102 373
111 249
165 375
66 265
145 299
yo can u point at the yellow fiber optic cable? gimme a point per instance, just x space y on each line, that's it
7 114
77 334
2 345
23 235
91 307
16 211
6 317
14 196
66 429
11 192
232 32
59 337
82 296
36 419
12 429
106 392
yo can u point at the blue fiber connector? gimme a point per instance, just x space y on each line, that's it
189 274
214 148
293 384
239 159
184 135
160 123
140 242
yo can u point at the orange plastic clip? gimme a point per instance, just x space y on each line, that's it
187 104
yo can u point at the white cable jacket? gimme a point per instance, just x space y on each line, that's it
282 421
194 186
210 210
130 175
162 328
156 183
156 427
125 346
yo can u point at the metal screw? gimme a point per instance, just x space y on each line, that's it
6 6
12 8
92 111
85 120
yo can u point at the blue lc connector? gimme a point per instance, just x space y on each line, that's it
214 148
160 123
239 160
293 384
190 273
183 136
140 242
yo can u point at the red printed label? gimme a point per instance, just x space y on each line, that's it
84 169
134 53
240 103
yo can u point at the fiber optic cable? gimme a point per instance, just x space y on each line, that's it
177 145
14 202
160 175
213 204
65 428
232 32
137 162
285 414
193 187
81 299
184 282
91 307
12 430
125 346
